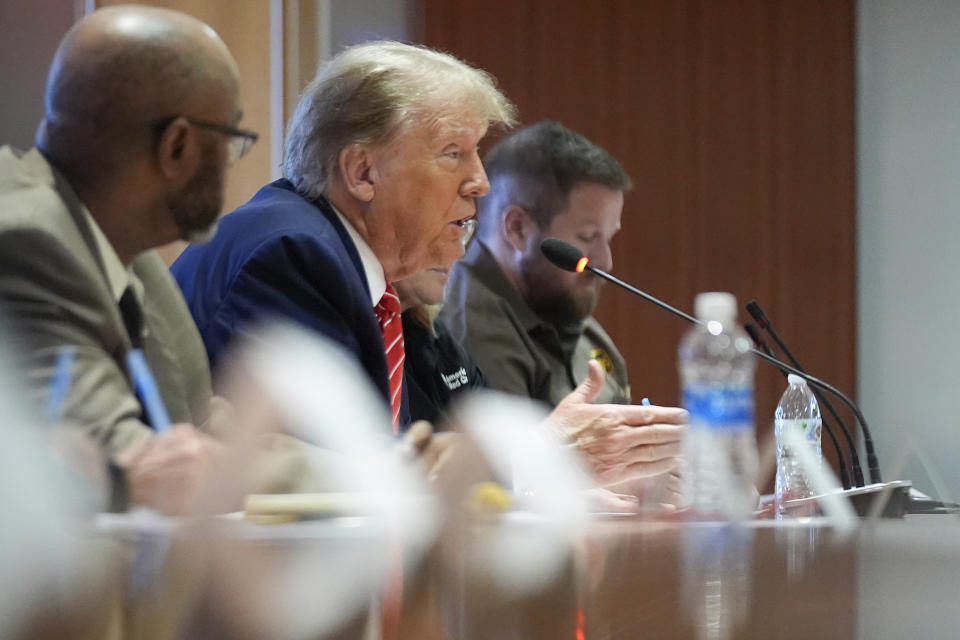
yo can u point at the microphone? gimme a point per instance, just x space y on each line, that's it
567 257
753 308
757 338
760 343
564 255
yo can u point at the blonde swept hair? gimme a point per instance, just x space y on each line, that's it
367 93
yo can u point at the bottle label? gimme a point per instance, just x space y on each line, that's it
724 407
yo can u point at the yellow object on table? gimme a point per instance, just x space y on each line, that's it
488 497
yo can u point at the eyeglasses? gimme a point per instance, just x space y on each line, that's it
240 139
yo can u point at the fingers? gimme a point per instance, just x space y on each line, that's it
672 492
606 501
637 415
131 454
418 436
447 445
644 469
431 451
161 445
618 440
624 443
212 446
654 452
631 452
639 462
222 419
651 434
182 446
168 472
592 385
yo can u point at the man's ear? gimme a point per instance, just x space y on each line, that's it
176 150
354 165
519 229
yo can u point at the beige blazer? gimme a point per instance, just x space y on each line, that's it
54 292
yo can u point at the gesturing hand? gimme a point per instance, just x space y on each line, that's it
618 442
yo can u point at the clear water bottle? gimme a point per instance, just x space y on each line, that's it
716 372
798 412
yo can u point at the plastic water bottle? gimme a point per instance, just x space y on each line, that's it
716 371
798 411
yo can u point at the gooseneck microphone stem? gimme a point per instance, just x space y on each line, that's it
854 456
780 364
569 258
872 464
841 460
754 309
643 294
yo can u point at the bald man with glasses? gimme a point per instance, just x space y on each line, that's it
142 107
240 140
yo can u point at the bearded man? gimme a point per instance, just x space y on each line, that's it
140 124
527 323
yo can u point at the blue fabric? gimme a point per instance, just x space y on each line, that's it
280 255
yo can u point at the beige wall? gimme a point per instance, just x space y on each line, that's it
245 26
277 44
29 34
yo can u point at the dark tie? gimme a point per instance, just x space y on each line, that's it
388 317
132 317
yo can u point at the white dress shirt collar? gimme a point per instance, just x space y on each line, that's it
119 276
372 269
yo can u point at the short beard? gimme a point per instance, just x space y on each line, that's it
195 207
545 294
199 236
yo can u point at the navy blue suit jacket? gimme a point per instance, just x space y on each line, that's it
281 255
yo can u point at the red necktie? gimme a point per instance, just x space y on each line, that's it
388 316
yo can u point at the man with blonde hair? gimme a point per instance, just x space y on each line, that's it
382 176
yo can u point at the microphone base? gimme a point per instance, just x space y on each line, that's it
894 499
881 499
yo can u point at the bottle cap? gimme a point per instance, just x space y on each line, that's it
715 305
793 379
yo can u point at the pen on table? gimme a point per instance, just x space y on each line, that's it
645 402
60 384
147 391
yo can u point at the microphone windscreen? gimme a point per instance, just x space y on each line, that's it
562 254
754 333
753 308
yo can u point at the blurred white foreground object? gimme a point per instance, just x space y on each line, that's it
44 502
306 579
529 546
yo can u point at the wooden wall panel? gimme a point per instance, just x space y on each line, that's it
735 119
